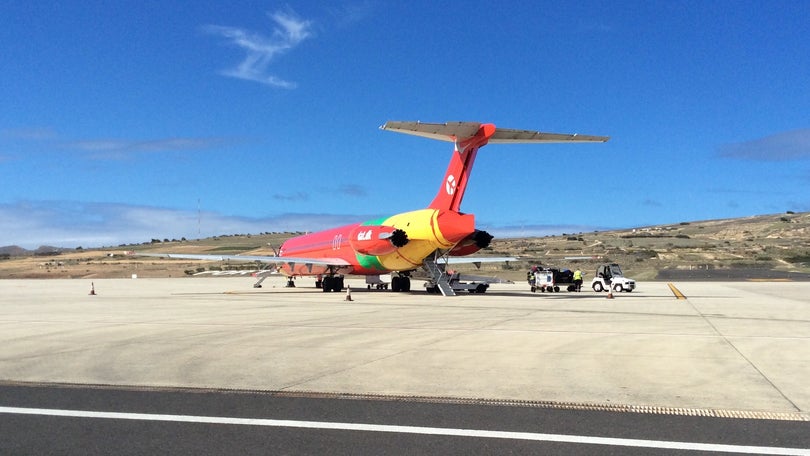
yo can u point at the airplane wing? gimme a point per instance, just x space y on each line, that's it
260 258
309 261
482 279
423 275
477 260
451 131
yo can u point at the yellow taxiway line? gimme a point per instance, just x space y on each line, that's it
676 292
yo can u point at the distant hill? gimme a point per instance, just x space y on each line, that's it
765 246
17 251
768 247
13 251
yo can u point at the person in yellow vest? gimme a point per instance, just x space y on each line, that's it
578 280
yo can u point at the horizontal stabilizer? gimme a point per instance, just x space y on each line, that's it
506 135
453 131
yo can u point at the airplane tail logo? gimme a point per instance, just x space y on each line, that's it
450 185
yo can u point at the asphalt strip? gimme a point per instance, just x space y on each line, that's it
363 427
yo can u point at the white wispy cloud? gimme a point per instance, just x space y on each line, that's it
296 196
122 148
349 190
261 50
789 145
348 14
70 224
105 148
32 133
30 224
352 190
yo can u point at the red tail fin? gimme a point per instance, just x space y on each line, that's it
452 189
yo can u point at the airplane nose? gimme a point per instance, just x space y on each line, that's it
454 227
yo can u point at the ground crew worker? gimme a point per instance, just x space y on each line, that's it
530 276
578 280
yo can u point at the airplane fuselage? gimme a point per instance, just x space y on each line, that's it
368 249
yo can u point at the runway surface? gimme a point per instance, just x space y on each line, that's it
729 350
41 419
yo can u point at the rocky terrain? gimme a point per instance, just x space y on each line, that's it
767 247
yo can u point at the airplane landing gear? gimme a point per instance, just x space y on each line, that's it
400 283
332 283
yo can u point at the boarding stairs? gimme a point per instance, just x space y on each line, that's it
439 277
263 273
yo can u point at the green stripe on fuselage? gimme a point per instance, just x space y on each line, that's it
370 262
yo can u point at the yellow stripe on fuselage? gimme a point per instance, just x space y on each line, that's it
424 238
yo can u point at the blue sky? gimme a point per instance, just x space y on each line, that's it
124 121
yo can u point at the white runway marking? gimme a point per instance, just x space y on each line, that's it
578 439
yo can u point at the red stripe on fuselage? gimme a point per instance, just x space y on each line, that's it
323 244
332 243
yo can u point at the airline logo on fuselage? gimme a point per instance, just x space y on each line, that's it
450 185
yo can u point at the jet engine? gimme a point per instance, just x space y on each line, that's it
377 240
472 243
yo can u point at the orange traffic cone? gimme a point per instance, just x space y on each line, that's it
348 293
92 289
